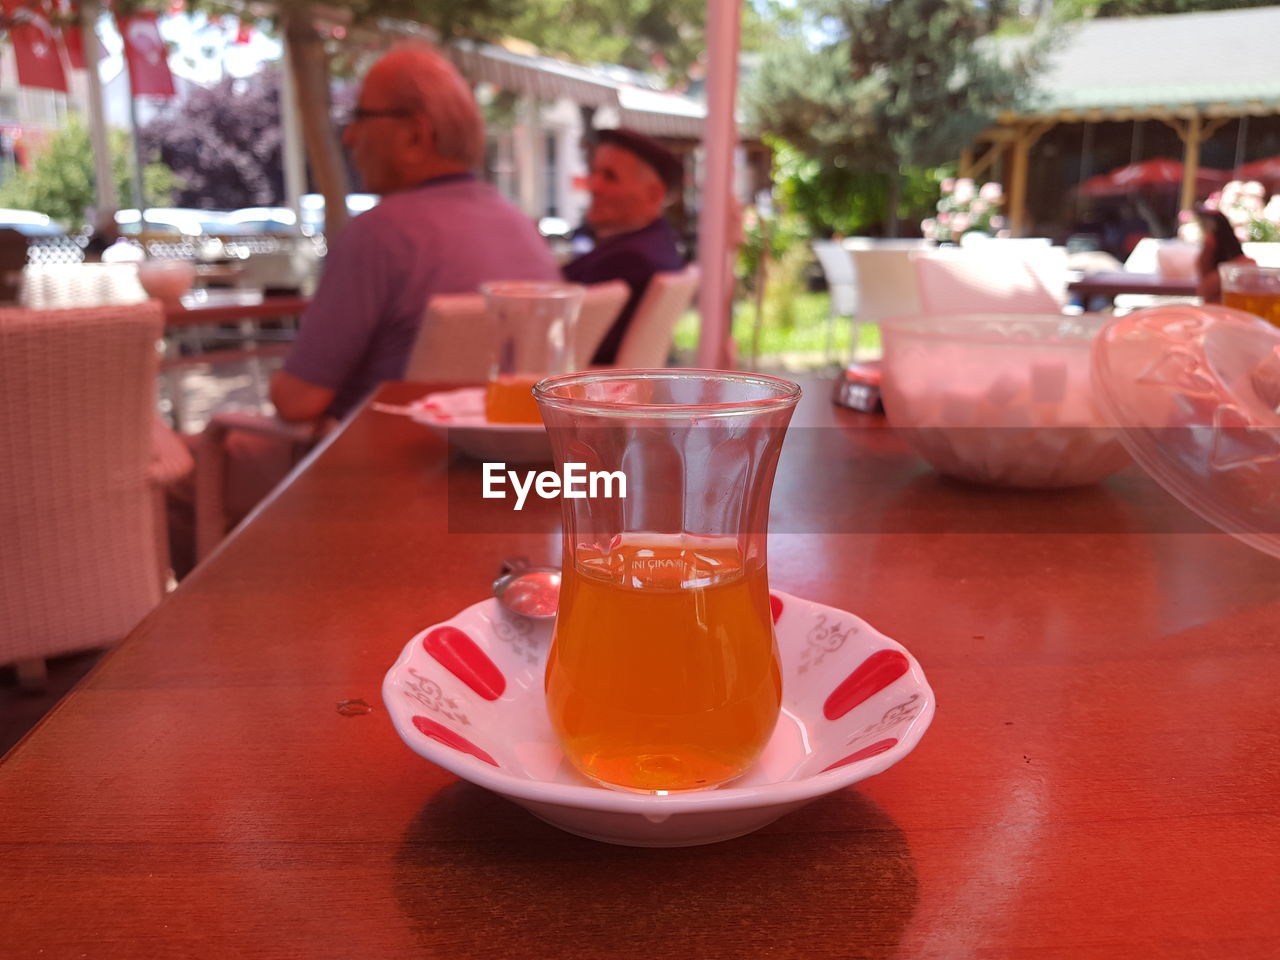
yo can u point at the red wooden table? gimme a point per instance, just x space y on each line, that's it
1100 780
1112 284
186 347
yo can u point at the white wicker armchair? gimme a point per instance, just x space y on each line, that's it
83 461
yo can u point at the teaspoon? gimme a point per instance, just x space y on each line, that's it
530 591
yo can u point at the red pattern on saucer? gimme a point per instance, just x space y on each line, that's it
880 746
872 675
442 734
458 653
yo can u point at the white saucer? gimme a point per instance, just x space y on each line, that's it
467 694
458 416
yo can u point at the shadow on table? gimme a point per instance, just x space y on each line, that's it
835 878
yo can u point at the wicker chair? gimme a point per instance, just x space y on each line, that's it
83 464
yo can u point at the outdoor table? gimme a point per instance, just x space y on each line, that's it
233 306
1114 283
243 308
1100 779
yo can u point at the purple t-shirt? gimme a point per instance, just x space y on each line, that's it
447 236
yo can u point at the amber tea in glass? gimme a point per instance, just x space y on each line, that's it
533 328
663 670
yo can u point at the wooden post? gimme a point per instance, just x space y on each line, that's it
1192 134
1024 140
966 162
309 62
1190 162
1018 183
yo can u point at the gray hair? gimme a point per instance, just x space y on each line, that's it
430 84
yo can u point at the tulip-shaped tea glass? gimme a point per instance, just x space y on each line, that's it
534 325
663 670
1252 289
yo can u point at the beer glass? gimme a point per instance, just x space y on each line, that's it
533 338
663 671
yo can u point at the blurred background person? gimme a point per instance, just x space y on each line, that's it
1219 245
416 136
632 179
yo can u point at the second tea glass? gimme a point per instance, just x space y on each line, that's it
1252 289
533 327
663 671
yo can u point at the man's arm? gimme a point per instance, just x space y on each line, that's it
296 399
337 326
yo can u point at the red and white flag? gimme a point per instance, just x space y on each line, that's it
35 51
73 39
146 55
73 43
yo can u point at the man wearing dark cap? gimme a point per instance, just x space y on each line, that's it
631 178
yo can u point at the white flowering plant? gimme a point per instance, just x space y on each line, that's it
964 206
1246 207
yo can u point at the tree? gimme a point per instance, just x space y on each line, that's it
61 184
842 199
663 36
301 23
224 144
314 32
890 85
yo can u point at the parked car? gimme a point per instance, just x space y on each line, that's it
29 223
176 221
313 209
254 220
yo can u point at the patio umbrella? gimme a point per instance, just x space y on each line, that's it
1158 174
1266 170
1100 185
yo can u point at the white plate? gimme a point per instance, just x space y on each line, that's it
458 416
854 703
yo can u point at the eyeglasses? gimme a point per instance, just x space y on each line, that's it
360 113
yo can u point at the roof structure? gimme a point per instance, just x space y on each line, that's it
533 74
1222 63
653 112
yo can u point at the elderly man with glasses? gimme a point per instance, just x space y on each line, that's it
415 136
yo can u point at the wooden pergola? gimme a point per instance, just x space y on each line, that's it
1192 72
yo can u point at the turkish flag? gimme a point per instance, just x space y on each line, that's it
34 49
73 43
146 55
